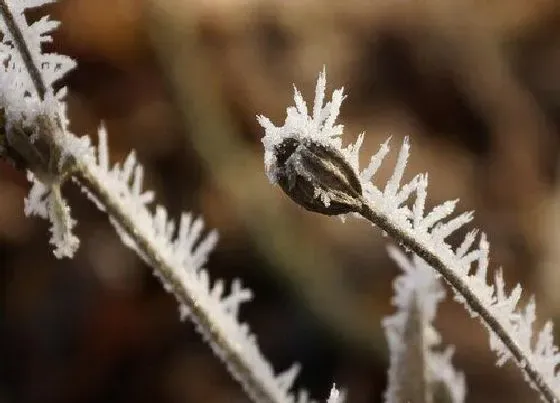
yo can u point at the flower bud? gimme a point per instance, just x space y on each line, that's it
317 177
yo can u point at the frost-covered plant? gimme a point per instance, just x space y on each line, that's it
306 158
36 137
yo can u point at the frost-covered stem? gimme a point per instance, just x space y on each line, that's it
37 137
21 45
435 261
230 353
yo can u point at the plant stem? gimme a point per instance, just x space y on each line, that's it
230 353
435 261
234 355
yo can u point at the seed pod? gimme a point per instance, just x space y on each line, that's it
32 148
317 177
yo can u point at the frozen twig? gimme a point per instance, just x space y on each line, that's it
306 158
36 138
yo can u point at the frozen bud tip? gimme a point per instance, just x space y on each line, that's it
317 177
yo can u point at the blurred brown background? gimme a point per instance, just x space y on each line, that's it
474 83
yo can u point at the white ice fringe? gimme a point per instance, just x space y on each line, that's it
466 266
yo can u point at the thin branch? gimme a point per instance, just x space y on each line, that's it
306 159
177 257
231 354
435 261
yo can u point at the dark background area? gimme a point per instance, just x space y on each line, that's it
475 84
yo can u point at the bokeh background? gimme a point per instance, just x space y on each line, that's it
476 85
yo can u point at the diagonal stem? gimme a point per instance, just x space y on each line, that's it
233 355
226 349
435 261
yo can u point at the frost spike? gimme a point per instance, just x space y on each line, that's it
421 193
102 149
395 180
438 213
334 108
300 104
319 97
375 162
466 244
286 379
446 229
128 167
483 258
138 180
405 192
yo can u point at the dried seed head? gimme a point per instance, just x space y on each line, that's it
317 177
31 147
